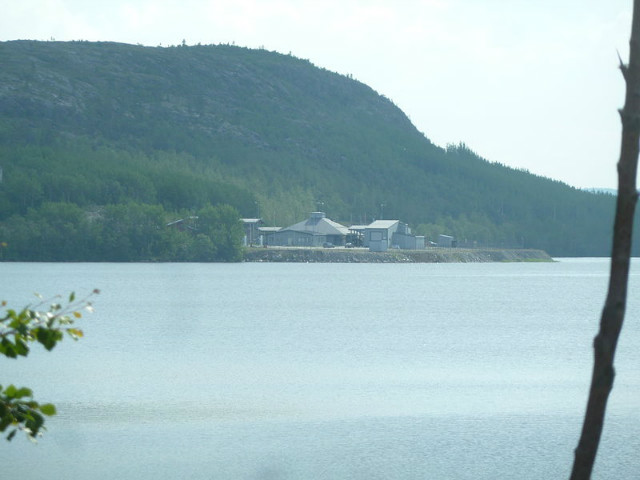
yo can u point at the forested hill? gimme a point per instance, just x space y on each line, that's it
88 128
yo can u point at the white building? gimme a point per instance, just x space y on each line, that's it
381 235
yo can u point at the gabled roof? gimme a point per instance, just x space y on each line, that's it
383 224
318 225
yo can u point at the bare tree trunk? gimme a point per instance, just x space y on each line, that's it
605 342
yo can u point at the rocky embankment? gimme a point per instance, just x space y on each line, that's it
355 255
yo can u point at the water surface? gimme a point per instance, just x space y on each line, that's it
337 371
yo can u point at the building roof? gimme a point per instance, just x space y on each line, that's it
383 224
318 224
252 220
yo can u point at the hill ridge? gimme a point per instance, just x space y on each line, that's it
268 133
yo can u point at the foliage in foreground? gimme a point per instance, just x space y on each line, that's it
19 329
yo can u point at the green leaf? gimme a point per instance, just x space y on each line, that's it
7 348
5 421
21 347
75 333
10 391
72 297
48 338
48 409
11 435
34 422
23 392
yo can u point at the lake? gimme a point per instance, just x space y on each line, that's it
325 371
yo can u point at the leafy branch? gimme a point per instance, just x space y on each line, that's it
18 329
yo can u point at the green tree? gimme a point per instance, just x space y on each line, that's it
223 227
202 249
18 329
131 232
23 189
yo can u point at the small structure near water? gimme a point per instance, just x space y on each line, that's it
251 230
446 241
381 235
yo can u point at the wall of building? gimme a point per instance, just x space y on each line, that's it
290 238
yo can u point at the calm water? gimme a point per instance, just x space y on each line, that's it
325 371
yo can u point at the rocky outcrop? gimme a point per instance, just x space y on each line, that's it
433 255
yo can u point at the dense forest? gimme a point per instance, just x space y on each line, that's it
104 145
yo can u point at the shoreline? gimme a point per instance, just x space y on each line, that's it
358 255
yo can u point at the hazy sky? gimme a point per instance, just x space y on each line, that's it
528 83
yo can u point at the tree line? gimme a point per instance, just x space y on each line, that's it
78 202
128 232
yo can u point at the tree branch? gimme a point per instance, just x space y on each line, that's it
612 318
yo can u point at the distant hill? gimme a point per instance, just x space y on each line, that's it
96 124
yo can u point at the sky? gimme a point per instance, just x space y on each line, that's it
532 84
